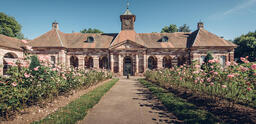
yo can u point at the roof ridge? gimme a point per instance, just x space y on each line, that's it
196 37
59 38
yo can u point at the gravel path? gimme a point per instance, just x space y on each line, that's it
128 102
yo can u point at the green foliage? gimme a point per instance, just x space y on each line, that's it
184 28
34 62
77 109
246 46
9 26
90 30
185 111
207 64
173 28
234 82
25 87
170 29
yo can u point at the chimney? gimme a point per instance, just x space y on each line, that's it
200 25
55 25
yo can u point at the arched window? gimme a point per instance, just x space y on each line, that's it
74 61
167 62
181 60
88 62
90 39
165 39
7 60
104 62
152 62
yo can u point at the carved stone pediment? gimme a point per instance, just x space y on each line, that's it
128 45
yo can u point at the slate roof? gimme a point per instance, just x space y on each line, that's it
10 42
198 38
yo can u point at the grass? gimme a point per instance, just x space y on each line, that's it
77 109
187 112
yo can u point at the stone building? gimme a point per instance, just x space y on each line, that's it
127 51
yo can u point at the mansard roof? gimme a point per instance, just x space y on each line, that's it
10 42
198 38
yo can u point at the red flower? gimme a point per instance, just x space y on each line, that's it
253 67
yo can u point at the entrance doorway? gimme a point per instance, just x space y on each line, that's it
128 67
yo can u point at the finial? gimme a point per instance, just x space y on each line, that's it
128 4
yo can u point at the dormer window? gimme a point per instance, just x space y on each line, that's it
90 39
165 39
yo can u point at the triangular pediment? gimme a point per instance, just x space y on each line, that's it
127 45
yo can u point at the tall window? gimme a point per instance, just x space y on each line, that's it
223 60
53 61
152 63
202 60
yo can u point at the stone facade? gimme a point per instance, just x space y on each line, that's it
128 52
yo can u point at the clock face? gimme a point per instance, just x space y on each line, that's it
127 22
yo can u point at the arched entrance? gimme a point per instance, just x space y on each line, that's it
167 62
8 61
74 61
88 62
152 62
128 67
104 62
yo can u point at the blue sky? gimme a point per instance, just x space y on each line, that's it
228 18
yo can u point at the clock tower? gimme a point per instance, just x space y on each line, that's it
127 20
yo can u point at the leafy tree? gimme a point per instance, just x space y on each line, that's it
9 26
246 46
206 65
170 29
184 28
90 30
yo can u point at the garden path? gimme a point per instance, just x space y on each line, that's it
128 102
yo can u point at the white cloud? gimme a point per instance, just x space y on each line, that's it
244 5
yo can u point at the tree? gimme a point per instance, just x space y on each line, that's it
90 30
184 28
171 29
246 46
206 65
9 26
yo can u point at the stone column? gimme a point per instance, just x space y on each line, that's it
95 61
145 62
159 62
120 64
112 61
62 58
80 61
137 64
68 61
231 56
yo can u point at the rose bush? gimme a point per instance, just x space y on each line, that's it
26 86
235 82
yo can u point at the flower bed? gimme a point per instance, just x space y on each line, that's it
235 82
28 85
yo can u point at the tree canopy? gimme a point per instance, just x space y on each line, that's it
90 30
246 46
184 28
173 28
9 26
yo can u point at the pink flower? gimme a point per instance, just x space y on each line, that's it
228 63
211 83
24 41
180 78
196 81
14 84
242 58
212 67
208 79
197 66
224 86
36 68
231 75
211 61
253 67
216 73
249 89
26 75
254 74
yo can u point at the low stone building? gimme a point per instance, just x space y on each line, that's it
130 52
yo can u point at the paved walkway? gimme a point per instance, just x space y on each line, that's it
128 102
